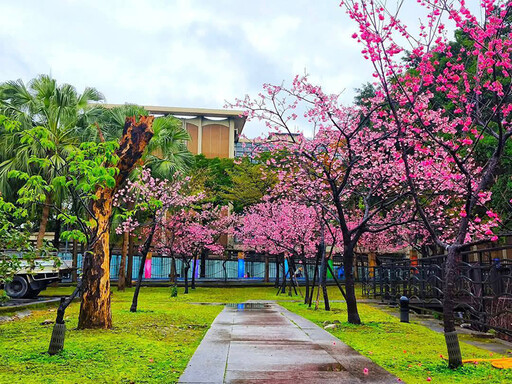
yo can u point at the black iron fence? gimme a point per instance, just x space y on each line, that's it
483 286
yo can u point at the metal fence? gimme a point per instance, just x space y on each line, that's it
215 269
483 286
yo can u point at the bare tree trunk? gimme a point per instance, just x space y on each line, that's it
121 282
452 340
348 263
43 223
95 306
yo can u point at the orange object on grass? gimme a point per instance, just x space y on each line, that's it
503 363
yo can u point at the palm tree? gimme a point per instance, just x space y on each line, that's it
55 108
167 151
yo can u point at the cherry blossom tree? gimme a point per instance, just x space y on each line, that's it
282 227
190 231
444 103
154 199
348 163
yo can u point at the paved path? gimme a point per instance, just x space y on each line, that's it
265 343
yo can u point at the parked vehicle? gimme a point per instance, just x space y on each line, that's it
30 281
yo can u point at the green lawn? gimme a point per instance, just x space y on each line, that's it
155 344
409 351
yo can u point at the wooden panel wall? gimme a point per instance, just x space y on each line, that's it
192 143
215 141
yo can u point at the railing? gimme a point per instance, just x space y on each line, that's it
215 268
483 286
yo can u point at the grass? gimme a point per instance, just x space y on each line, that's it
411 351
155 344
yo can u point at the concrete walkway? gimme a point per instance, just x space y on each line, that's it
265 343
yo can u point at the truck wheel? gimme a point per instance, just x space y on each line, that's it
17 288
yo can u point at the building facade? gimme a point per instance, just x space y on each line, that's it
213 132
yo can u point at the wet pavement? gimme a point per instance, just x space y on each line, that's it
264 343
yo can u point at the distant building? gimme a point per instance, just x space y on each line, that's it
213 132
247 147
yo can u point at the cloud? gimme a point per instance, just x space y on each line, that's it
190 53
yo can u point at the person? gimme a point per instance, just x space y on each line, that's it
341 272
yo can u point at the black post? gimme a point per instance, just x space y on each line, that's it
404 309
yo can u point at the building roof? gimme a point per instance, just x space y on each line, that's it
237 116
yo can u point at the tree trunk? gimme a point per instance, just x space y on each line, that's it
187 267
145 251
56 234
323 279
74 262
306 276
193 285
173 270
266 275
204 255
277 272
43 223
348 263
121 282
315 275
129 272
283 286
95 306
452 340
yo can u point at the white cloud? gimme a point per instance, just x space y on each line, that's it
192 53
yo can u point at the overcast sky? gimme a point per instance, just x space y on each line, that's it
182 53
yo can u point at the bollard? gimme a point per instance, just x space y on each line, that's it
404 309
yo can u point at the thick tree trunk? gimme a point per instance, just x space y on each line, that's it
43 223
204 255
95 306
452 340
348 263
129 272
121 282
